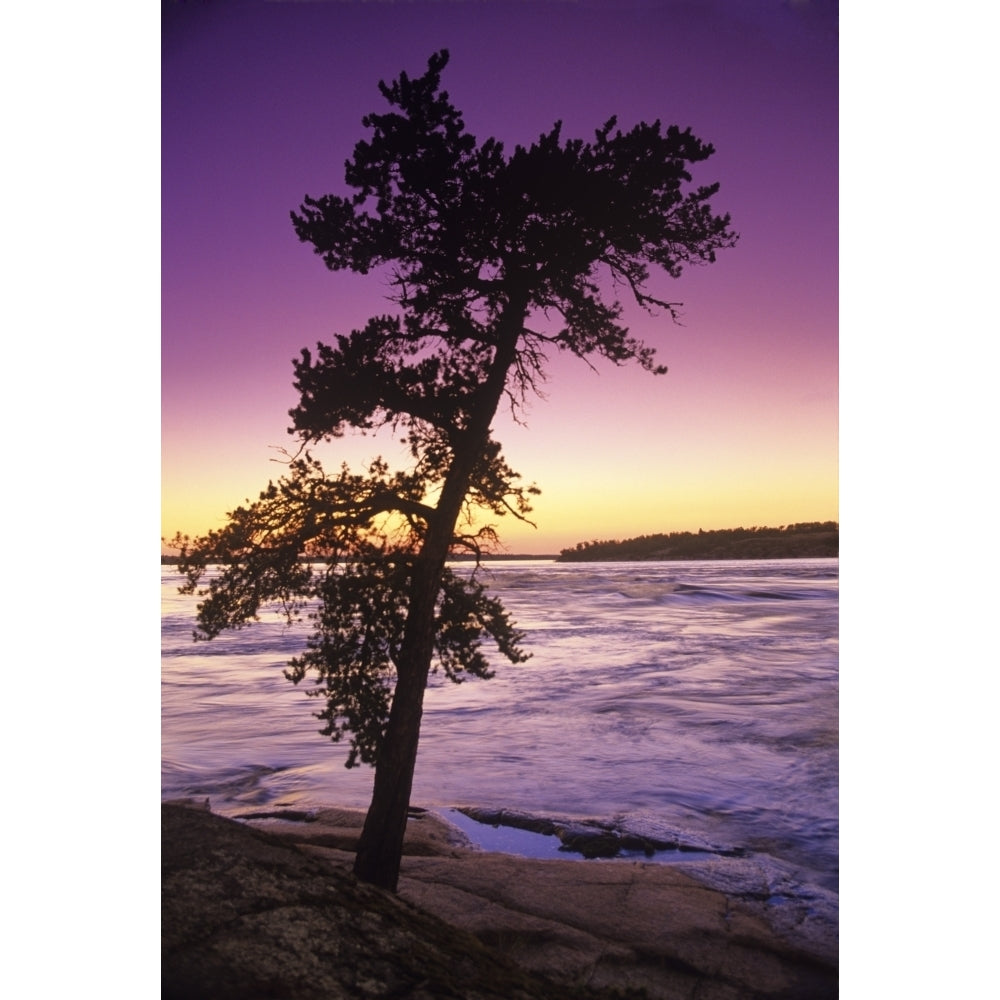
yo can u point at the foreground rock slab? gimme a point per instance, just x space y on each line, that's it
247 916
274 912
619 925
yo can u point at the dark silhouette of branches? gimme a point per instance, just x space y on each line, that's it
497 261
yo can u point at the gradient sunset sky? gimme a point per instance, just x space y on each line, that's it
262 103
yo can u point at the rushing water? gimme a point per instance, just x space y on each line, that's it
697 698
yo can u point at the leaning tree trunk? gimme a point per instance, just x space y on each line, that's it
380 848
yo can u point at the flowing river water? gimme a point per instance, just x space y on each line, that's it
686 700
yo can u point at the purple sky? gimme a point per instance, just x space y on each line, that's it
261 104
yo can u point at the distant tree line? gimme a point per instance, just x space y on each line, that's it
810 540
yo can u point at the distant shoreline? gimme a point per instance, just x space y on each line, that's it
553 557
808 540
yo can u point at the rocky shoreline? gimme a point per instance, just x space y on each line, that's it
267 907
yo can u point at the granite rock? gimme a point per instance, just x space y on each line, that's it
268 908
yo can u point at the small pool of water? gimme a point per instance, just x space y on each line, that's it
507 839
527 844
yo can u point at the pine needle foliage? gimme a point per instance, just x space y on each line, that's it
498 262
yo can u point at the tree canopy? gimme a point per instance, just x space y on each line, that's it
497 261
